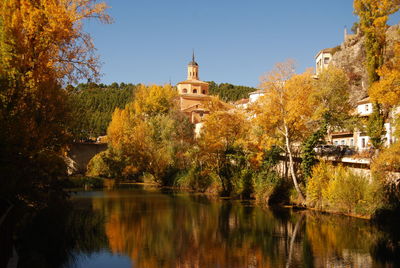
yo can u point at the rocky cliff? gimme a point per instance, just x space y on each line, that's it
350 56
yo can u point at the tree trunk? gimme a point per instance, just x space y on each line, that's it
291 167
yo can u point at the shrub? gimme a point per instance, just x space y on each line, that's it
108 164
385 169
97 166
266 184
194 179
346 191
319 180
86 182
242 184
339 189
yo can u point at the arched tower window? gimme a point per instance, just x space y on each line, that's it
184 90
204 91
194 91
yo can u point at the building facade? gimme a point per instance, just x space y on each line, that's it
359 140
322 60
193 94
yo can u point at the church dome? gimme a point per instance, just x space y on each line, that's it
193 63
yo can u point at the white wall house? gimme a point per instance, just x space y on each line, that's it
364 107
322 60
254 96
358 139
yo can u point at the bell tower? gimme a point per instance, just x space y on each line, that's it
193 70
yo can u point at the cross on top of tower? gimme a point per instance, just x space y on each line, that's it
193 62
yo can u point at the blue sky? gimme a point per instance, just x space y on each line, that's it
235 41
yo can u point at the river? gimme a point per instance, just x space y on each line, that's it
139 226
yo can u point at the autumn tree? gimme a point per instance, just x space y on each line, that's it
222 145
330 97
42 44
285 111
386 91
373 15
151 134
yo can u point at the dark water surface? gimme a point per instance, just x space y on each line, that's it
150 228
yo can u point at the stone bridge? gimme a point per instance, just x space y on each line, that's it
79 155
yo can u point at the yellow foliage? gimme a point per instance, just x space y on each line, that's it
154 99
387 161
374 14
150 133
319 180
45 39
331 95
339 189
286 104
387 90
224 129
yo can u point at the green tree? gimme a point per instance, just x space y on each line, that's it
229 92
92 107
332 108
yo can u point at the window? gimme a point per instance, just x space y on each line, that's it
336 143
184 90
204 92
366 107
343 142
194 91
201 114
351 142
363 143
326 60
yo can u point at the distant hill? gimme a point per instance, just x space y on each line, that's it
92 106
228 92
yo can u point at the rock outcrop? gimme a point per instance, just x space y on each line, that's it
350 56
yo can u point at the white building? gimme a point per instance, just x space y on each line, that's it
255 95
322 60
359 139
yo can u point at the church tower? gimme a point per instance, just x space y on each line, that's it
193 94
193 85
193 70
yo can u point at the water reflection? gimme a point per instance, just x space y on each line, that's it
157 229
147 228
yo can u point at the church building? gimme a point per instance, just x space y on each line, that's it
193 94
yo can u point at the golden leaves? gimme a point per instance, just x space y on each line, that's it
44 39
286 103
387 90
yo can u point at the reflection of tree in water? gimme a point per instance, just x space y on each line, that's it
386 249
56 233
343 241
188 231
159 230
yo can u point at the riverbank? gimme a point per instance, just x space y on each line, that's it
88 183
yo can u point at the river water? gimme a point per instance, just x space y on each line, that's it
147 227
